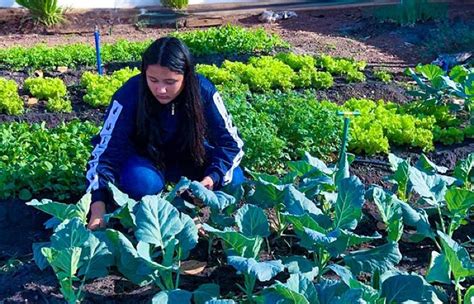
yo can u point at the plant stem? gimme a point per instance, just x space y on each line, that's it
441 219
268 245
458 290
177 275
249 286
159 283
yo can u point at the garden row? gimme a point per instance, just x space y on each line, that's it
316 210
285 71
276 126
227 39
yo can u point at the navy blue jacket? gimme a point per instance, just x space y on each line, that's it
113 145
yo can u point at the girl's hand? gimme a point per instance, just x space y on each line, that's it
208 183
96 220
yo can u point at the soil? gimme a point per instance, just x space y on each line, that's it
345 33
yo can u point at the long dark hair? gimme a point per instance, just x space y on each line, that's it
173 54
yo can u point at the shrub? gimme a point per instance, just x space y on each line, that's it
175 4
47 12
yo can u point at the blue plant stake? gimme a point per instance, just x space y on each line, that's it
97 50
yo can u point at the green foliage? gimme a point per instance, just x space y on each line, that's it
175 4
409 12
59 104
253 271
161 230
76 254
297 62
10 101
45 88
47 57
124 50
350 69
227 39
63 212
217 75
379 125
264 149
438 87
275 129
100 89
448 136
262 75
51 89
267 73
447 128
322 207
47 12
383 75
230 39
35 159
303 123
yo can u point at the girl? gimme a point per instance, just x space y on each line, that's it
165 123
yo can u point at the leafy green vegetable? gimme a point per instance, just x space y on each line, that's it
227 39
253 270
46 88
74 251
100 88
401 287
10 101
41 160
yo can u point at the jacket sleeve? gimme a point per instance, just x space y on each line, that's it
223 135
112 146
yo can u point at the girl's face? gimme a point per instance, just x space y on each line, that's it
163 83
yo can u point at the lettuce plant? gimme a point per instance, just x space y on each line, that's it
59 105
45 88
350 69
383 75
10 101
99 89
263 74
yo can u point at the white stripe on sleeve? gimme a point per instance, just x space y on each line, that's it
105 136
233 132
